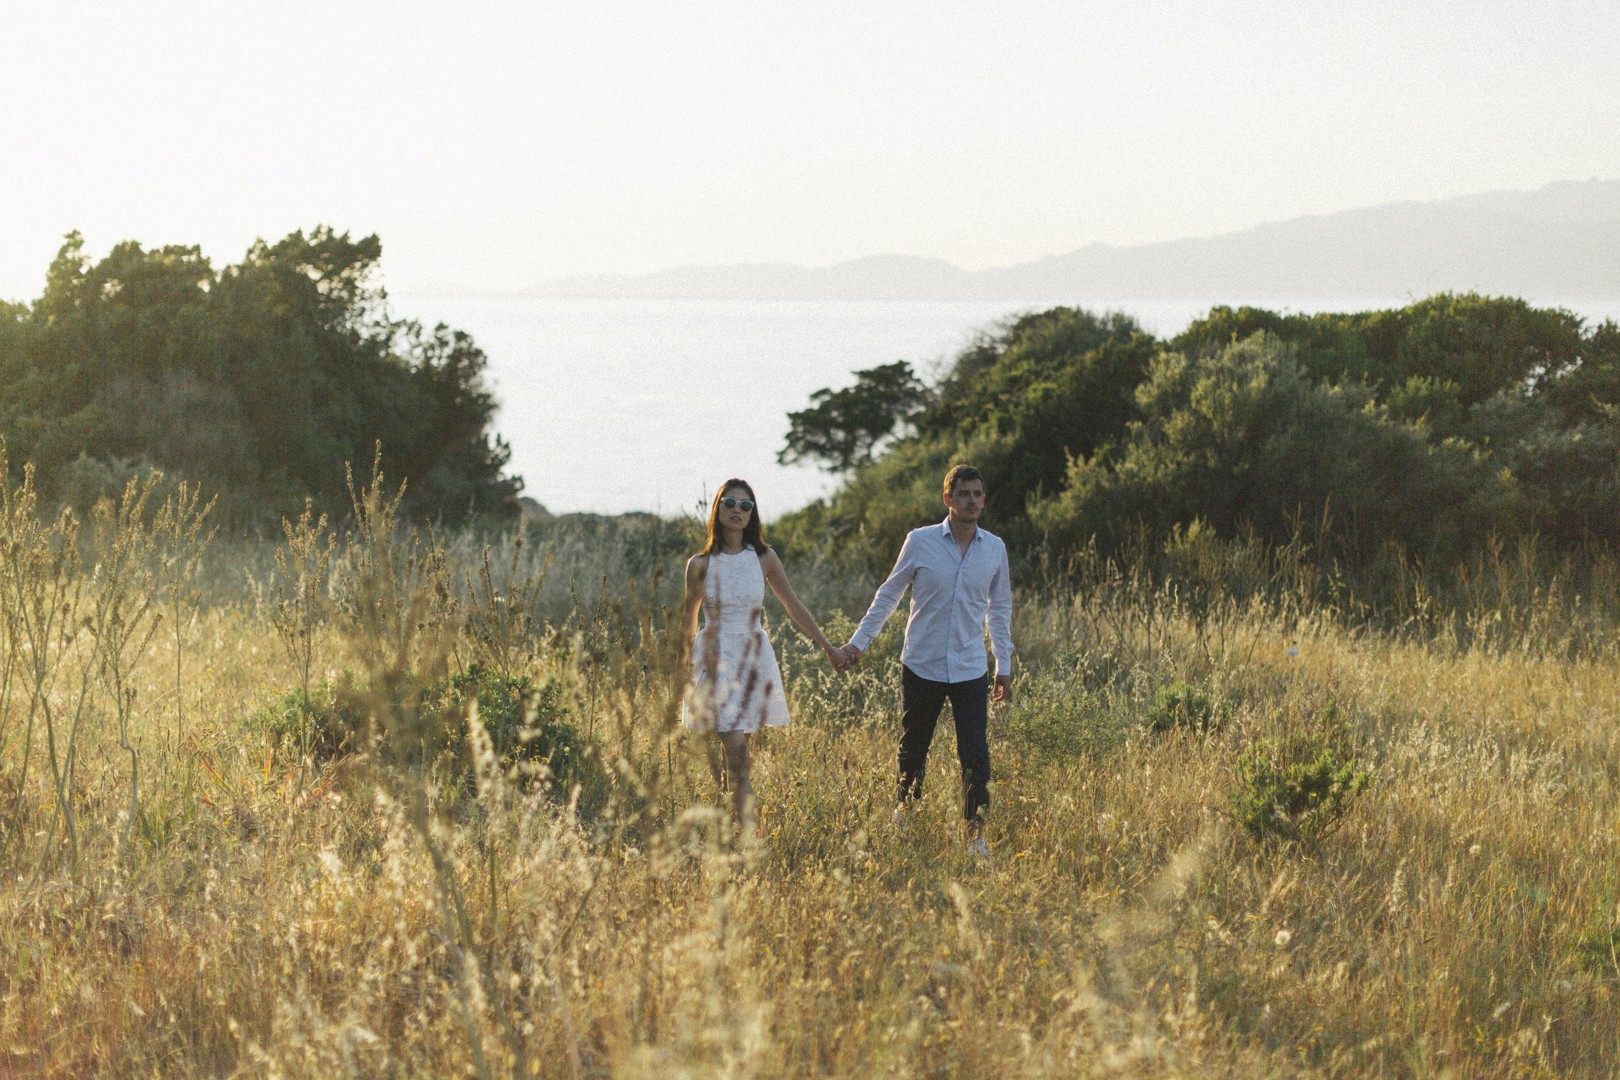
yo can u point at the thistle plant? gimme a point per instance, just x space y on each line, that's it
124 593
45 588
500 609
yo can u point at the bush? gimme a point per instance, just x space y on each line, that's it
1246 443
1182 705
1598 951
321 725
526 725
1295 788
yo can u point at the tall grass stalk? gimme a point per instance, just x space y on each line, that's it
183 532
302 581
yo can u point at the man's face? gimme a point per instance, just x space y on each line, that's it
966 501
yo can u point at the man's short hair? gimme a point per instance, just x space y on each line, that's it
958 474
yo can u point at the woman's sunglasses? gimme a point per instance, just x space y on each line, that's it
737 504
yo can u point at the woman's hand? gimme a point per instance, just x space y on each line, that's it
835 656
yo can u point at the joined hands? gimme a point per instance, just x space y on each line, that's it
844 657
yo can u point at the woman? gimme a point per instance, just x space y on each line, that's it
736 685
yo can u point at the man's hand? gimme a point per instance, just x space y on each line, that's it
852 656
1003 690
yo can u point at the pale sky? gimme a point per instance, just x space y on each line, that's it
494 145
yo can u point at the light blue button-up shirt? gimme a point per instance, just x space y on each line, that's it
953 596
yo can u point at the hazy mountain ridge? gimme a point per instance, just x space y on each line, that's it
1560 240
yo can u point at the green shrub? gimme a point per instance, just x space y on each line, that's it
526 725
1058 719
322 725
1182 705
1295 788
525 722
1598 950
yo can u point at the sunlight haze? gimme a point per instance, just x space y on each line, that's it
495 146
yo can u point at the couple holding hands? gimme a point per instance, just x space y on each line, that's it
958 576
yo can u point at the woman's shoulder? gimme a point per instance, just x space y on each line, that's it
697 564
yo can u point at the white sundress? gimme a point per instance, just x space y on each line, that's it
736 682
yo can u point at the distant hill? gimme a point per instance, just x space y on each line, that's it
1562 240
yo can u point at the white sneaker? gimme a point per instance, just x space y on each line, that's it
898 821
980 849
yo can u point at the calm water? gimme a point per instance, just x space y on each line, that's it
617 405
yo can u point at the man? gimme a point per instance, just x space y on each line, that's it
959 582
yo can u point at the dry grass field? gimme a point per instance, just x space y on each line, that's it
199 879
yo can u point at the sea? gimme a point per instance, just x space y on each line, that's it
613 405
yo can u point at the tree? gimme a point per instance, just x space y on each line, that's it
1244 441
1426 429
1480 345
843 427
259 381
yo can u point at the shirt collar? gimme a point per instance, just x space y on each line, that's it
945 531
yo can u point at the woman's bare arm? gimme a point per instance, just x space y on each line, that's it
776 576
696 568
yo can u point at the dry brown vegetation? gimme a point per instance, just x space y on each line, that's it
188 891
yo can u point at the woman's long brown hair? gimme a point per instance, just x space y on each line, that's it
753 532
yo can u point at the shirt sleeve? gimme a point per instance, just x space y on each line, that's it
888 595
1000 616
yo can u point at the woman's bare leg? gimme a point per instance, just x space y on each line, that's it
738 777
715 752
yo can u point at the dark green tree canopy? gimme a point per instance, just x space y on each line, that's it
259 381
1481 345
843 427
1243 441
1018 402
1434 429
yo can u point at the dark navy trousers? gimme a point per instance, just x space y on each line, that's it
921 702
